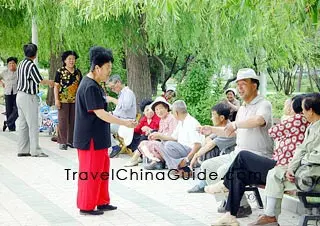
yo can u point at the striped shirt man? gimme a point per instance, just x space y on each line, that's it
28 77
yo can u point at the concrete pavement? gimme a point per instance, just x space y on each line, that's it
35 191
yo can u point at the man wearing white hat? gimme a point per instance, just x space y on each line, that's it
253 120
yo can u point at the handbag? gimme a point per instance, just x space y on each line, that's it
304 179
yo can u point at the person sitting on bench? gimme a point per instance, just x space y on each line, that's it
281 179
249 168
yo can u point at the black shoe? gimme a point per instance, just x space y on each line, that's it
115 151
40 155
91 212
70 145
154 166
244 211
63 147
222 207
12 130
106 207
196 189
4 126
24 155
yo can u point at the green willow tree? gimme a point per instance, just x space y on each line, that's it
258 34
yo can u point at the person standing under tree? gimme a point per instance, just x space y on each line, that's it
29 79
66 81
92 134
9 81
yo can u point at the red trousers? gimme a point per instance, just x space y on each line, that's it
93 189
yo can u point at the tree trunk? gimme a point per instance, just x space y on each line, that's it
299 79
316 78
34 31
310 78
138 74
226 86
55 63
154 84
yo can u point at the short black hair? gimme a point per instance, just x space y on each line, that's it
30 50
66 54
153 107
312 100
228 91
256 82
15 59
144 103
99 56
297 103
173 92
222 109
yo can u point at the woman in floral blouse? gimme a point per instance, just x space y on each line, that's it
289 133
66 81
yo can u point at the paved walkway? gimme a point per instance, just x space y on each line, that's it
35 191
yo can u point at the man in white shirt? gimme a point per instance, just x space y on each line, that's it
253 120
185 140
126 108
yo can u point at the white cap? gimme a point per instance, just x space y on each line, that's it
159 100
245 73
232 90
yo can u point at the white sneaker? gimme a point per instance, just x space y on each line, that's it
216 188
132 162
225 220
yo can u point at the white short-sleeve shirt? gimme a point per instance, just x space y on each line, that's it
186 132
256 139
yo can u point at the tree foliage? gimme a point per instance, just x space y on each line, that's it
200 92
238 33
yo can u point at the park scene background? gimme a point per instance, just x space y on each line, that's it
194 46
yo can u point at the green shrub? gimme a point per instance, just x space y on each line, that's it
199 92
277 100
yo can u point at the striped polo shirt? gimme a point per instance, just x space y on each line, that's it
28 77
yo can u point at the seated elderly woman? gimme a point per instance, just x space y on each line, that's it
281 179
253 168
148 124
151 147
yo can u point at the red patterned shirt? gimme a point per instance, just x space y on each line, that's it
288 135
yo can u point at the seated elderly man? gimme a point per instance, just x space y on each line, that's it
185 140
126 107
253 120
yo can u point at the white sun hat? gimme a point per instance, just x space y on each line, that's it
246 73
159 100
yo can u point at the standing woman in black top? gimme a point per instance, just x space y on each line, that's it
29 79
92 135
66 85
